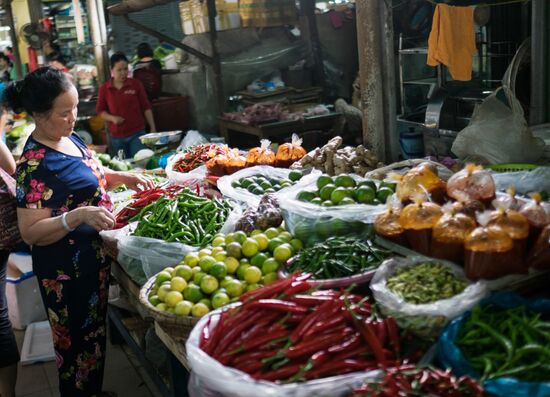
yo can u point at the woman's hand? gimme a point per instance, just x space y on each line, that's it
135 181
117 120
97 217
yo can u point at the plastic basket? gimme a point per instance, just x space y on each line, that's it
511 167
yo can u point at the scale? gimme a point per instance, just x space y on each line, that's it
162 144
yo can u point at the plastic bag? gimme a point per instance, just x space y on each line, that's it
450 355
289 153
242 195
192 138
498 133
262 155
425 320
312 223
179 177
524 182
210 378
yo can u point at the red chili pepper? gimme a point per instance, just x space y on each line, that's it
309 320
264 339
325 324
334 367
295 319
309 300
351 343
297 287
312 346
280 305
369 335
235 332
259 329
320 357
282 373
269 291
381 332
205 334
216 334
249 367
393 331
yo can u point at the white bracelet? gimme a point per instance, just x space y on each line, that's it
64 223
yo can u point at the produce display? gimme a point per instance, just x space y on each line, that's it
289 153
284 333
425 283
339 257
260 185
226 163
213 276
407 380
506 343
333 160
196 156
185 218
267 215
344 190
113 163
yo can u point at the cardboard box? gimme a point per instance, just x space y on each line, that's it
24 300
194 16
264 13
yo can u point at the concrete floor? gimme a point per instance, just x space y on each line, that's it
123 375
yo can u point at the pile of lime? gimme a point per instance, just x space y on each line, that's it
345 190
217 275
260 184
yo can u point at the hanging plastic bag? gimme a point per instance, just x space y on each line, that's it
450 355
211 378
192 138
425 320
262 155
498 133
289 153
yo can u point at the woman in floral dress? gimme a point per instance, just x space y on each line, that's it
62 206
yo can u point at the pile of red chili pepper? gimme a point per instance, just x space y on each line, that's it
409 381
284 332
142 199
196 156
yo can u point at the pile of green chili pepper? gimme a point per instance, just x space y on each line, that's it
339 257
506 343
424 283
186 218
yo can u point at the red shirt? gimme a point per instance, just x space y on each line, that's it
129 102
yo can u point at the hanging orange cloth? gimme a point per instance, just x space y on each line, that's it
452 40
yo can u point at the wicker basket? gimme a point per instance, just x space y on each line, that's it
179 327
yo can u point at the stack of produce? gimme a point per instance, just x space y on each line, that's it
267 215
260 185
113 162
282 333
213 276
333 160
289 153
184 218
339 257
407 380
196 156
226 163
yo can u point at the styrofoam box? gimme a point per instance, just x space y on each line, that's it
38 344
24 301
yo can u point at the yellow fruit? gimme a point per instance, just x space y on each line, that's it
162 292
161 306
218 241
252 275
229 238
282 253
219 299
240 236
296 244
205 252
262 241
154 300
270 278
250 287
234 288
234 250
162 277
220 256
218 270
232 264
271 233
217 250
178 284
199 310
172 298
193 293
250 247
286 236
206 263
241 269
207 303
184 272
255 232
198 277
183 308
225 281
270 265
192 259
209 284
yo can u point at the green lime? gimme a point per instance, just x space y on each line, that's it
207 302
240 271
209 284
368 183
304 195
198 277
270 278
295 175
270 265
252 187
234 250
270 190
192 259
383 194
338 195
252 275
272 232
296 244
316 201
258 191
327 203
219 299
218 270
258 259
183 308
206 262
235 184
240 236
274 243
390 185
162 277
250 247
351 192
262 240
323 180
251 287
199 310
172 298
154 300
344 181
365 194
234 288
245 183
283 253
266 185
326 191
193 293
347 201
224 282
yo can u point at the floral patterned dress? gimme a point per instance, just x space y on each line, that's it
73 273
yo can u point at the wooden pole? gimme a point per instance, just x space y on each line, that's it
13 37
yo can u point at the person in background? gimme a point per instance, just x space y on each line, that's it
62 206
5 68
57 61
8 51
122 102
9 354
145 56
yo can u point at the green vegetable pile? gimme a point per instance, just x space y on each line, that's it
339 257
425 283
259 184
507 343
186 218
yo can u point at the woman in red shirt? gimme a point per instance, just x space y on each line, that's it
123 103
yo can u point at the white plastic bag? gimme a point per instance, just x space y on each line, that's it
198 173
425 320
192 138
498 133
252 200
210 378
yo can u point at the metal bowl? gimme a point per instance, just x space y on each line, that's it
157 139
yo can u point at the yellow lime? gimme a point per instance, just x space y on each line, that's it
282 253
169 270
255 232
218 241
220 256
184 272
234 250
218 270
234 288
229 238
172 298
270 265
199 310
219 299
258 259
209 284
226 280
285 236
205 252
206 263
240 236
296 244
274 243
250 247
154 300
183 308
193 293
241 269
196 270
207 303
162 292
252 275
178 284
270 278
162 277
162 307
231 264
169 310
192 259
271 232
166 283
262 241
250 287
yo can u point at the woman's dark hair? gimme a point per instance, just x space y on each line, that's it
117 57
144 50
5 58
36 93
56 56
